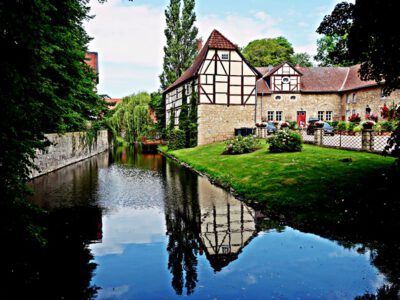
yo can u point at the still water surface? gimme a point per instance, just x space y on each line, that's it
158 231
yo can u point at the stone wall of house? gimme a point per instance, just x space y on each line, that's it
218 122
68 149
368 97
310 103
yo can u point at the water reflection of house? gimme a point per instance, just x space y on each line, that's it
227 225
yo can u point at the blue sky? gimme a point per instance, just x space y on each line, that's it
128 35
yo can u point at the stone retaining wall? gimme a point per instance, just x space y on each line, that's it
68 149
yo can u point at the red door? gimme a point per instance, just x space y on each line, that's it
301 119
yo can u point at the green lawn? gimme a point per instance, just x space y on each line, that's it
315 178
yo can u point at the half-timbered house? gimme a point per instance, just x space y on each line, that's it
232 94
225 84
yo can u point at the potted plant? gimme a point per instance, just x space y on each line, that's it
284 125
367 124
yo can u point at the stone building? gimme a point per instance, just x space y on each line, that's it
233 94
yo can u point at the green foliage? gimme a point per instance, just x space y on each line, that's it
293 125
264 52
157 103
171 125
285 141
240 145
350 126
131 117
333 46
176 139
387 126
193 118
341 126
46 84
370 43
181 47
302 59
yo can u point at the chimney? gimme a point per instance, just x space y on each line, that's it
199 44
270 67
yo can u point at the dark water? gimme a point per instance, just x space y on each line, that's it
136 226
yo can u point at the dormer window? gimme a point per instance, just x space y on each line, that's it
286 79
225 56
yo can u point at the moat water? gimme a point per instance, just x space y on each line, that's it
128 225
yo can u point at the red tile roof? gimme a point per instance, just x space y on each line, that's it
326 79
354 82
322 79
262 87
215 41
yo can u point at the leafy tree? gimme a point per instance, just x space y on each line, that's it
193 118
271 51
303 59
46 85
157 103
181 34
333 46
131 117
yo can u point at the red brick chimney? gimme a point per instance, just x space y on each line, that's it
199 44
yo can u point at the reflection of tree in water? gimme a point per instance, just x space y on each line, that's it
182 219
59 269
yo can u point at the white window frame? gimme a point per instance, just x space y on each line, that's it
354 99
348 98
270 116
278 115
320 115
328 115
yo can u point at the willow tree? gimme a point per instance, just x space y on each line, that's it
131 118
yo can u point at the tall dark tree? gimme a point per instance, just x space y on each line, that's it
373 40
189 34
46 85
181 34
333 46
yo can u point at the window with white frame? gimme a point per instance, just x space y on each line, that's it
320 115
383 96
270 116
348 98
347 113
278 116
354 98
328 116
225 56
353 112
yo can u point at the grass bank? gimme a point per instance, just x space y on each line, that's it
308 182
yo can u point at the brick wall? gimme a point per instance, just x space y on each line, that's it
218 122
68 149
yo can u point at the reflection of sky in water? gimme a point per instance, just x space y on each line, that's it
133 259
274 265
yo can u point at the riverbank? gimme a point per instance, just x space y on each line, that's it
319 184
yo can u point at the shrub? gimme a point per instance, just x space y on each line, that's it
293 125
285 141
241 144
176 139
341 126
357 128
387 126
334 124
350 126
